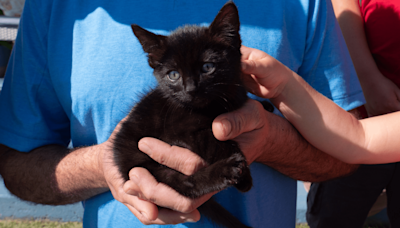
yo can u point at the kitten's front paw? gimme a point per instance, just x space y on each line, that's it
245 182
236 171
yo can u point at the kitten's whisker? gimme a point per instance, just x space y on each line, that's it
223 101
170 110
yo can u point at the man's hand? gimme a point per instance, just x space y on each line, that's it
267 138
142 194
249 126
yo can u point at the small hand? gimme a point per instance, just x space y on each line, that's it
252 126
264 75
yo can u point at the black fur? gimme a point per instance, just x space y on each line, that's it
198 73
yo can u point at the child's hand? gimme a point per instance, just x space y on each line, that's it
264 76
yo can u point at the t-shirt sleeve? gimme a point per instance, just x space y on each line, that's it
30 112
327 65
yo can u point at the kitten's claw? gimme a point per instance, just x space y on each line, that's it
236 172
245 183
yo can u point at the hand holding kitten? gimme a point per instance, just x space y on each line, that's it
142 194
265 76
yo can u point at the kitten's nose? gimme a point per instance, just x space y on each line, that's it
190 86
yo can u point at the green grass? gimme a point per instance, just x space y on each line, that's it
365 226
10 223
38 224
51 224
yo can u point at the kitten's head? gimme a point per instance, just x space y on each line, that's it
199 66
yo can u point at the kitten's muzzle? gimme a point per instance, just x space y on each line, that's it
190 86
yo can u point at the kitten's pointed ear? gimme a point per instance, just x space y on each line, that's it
226 25
152 44
148 40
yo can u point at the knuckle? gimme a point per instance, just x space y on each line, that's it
141 196
144 220
149 193
119 192
189 166
239 123
185 205
255 115
187 162
253 65
152 200
118 195
160 158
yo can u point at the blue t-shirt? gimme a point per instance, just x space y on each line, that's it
77 69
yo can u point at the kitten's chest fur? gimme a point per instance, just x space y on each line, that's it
159 117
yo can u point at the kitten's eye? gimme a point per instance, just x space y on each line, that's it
208 68
173 75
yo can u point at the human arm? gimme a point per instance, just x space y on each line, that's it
38 113
52 174
377 88
270 139
324 124
56 175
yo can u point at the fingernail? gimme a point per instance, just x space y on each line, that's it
243 65
134 178
144 147
145 215
186 219
190 220
226 126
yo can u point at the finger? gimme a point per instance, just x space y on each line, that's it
230 125
251 53
246 51
260 68
251 84
163 195
249 66
166 216
178 158
130 187
174 217
148 213
142 216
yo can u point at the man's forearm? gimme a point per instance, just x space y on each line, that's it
289 153
52 174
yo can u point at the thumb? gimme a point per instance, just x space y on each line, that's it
247 66
259 67
222 128
230 125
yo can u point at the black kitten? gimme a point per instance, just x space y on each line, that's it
198 73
